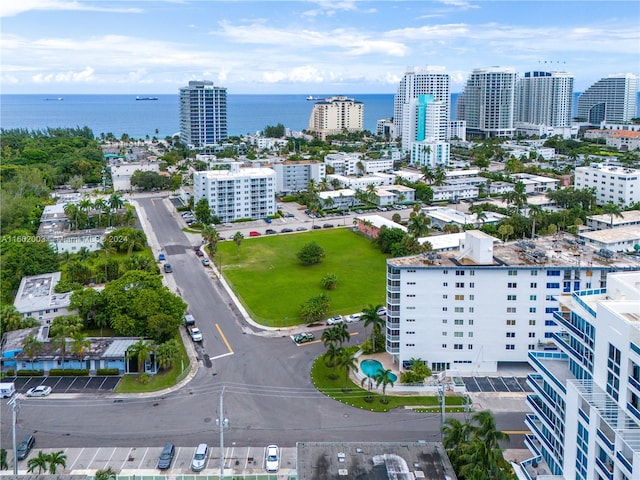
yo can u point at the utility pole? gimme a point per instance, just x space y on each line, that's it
222 424
15 407
442 406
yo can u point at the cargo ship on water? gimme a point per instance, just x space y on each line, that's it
146 98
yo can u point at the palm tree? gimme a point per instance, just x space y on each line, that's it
55 459
10 318
612 210
370 317
455 435
31 347
419 225
85 205
535 212
142 351
211 236
167 354
79 344
332 355
349 362
61 328
237 238
383 377
100 205
107 474
330 336
72 212
108 248
440 176
40 462
115 202
428 175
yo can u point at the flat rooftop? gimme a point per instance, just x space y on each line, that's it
561 250
373 461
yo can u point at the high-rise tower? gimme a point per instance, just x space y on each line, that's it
545 98
612 99
487 103
419 81
203 114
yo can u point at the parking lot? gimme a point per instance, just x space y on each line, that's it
496 384
66 384
145 459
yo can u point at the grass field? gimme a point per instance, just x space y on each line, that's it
272 283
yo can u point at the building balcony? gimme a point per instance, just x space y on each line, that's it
606 469
553 366
536 382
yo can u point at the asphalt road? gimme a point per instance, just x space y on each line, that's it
268 395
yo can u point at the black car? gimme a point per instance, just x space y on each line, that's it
168 268
316 227
25 447
270 231
327 225
286 230
166 457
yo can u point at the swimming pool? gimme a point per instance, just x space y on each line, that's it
371 368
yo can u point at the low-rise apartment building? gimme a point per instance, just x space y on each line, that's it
295 176
237 193
612 184
487 304
38 299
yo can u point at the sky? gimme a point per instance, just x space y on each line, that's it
303 47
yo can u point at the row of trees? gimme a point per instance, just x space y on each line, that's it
99 213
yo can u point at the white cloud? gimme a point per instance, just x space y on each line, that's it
11 8
85 75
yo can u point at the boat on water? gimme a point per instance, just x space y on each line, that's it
311 98
53 99
146 98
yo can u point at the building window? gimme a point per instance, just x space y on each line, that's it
469 334
472 285
533 285
553 285
532 334
457 321
457 346
532 322
444 345
510 347
531 346
532 309
444 321
445 296
444 309
445 284
458 334
511 309
470 322
512 285
511 322
511 334
459 284
460 272
511 298
459 297
513 273
444 334
459 309
533 298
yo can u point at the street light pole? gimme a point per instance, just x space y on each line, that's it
222 424
15 406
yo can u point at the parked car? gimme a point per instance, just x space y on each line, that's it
301 229
166 456
381 311
189 320
316 227
272 460
335 320
39 391
199 253
205 262
354 317
286 230
25 446
289 215
270 231
168 268
199 459
303 337
196 334
267 219
161 257
253 233
327 225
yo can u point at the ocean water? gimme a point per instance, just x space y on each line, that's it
119 114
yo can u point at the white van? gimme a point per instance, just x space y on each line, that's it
7 390
199 457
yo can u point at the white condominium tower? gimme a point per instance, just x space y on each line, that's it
585 419
419 81
203 114
335 115
545 98
487 103
611 99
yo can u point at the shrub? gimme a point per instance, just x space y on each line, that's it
108 371
30 373
311 254
69 372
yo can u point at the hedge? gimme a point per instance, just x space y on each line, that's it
69 372
108 371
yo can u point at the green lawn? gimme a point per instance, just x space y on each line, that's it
131 383
323 379
272 283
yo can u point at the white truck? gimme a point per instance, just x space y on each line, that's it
7 389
